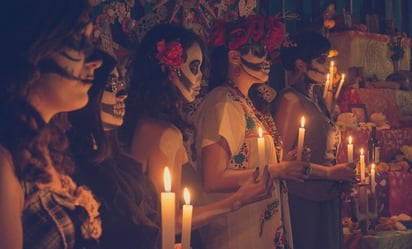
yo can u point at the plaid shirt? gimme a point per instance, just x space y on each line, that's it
50 221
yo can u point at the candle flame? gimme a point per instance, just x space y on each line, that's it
331 64
373 166
166 179
302 122
260 132
361 151
343 77
350 139
327 77
186 196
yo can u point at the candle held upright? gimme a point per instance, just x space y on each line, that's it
186 220
167 200
301 138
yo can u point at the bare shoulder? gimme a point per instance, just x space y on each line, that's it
158 129
9 184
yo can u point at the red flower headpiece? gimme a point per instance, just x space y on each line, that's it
252 30
170 54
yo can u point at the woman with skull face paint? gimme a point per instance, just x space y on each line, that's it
315 204
167 73
227 125
129 203
48 71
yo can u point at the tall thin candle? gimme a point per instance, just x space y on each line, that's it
186 220
350 150
168 212
301 138
373 181
261 148
362 165
340 86
326 89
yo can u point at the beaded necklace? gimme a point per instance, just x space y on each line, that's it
267 121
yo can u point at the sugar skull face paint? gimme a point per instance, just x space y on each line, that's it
67 75
318 68
255 62
190 75
112 105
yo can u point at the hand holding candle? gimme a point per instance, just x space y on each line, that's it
168 212
301 139
186 220
350 150
362 165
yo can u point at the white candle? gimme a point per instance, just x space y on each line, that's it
261 148
350 150
168 212
340 86
301 138
186 220
332 63
373 181
362 165
326 89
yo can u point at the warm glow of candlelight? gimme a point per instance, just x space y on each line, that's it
166 179
302 122
350 139
186 196
361 151
260 132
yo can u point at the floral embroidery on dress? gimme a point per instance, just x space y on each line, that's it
280 241
239 161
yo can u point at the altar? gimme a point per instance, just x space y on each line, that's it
366 50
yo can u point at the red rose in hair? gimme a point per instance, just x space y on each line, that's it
217 35
171 54
275 34
238 37
256 26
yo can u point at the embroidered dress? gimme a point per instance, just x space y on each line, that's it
262 225
315 204
67 218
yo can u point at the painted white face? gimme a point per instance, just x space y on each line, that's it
66 76
318 69
256 64
191 74
112 105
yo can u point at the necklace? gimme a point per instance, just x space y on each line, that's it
266 120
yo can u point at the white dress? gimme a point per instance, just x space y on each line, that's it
226 113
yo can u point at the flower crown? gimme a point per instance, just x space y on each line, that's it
170 54
253 30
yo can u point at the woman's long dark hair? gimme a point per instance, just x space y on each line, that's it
151 92
127 196
40 29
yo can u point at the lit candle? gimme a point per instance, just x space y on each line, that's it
362 165
350 150
186 220
332 64
261 148
168 212
373 182
340 86
301 138
326 89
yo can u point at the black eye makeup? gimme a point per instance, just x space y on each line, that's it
115 85
80 43
194 67
322 59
